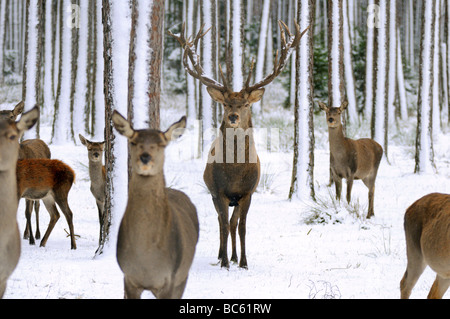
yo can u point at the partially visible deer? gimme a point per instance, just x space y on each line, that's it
10 133
32 148
427 233
351 159
97 174
50 181
231 179
159 230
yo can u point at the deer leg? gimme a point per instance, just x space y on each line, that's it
2 288
37 205
221 205
370 183
439 287
349 188
233 225
131 290
64 205
49 203
415 267
179 290
28 234
100 219
338 184
245 205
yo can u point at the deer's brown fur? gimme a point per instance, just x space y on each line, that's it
10 132
427 234
50 181
159 230
351 159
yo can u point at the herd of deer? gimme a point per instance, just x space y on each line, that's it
159 230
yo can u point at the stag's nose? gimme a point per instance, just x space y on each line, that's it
96 155
233 118
330 120
145 158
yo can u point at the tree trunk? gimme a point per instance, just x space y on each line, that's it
424 139
302 183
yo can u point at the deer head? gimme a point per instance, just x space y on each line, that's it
147 146
334 114
12 114
10 135
95 149
237 111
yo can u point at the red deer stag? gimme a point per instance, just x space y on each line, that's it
10 133
230 178
427 233
97 174
33 148
159 230
351 159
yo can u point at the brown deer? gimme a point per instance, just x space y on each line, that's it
159 230
10 133
32 148
230 178
50 181
351 159
97 174
427 233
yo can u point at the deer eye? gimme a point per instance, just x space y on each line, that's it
12 137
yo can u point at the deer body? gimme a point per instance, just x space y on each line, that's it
231 179
97 174
33 149
50 181
10 133
351 159
427 225
159 230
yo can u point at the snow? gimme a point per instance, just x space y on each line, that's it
356 258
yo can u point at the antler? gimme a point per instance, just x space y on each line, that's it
279 64
190 51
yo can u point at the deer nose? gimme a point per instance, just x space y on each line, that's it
233 117
330 120
96 154
145 158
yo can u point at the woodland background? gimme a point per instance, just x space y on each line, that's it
81 59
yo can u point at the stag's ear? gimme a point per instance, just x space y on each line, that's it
256 95
28 119
216 95
176 130
344 106
18 109
122 125
323 106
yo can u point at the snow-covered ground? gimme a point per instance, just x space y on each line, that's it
287 257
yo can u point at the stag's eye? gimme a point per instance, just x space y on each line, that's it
12 137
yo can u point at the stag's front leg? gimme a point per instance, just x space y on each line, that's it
244 205
233 226
221 205
349 188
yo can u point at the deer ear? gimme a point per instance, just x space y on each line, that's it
176 130
216 95
83 140
344 106
18 109
256 95
122 125
323 106
27 120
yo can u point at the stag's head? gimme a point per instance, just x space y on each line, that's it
147 146
334 114
237 105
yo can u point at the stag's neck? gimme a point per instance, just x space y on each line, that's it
337 139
